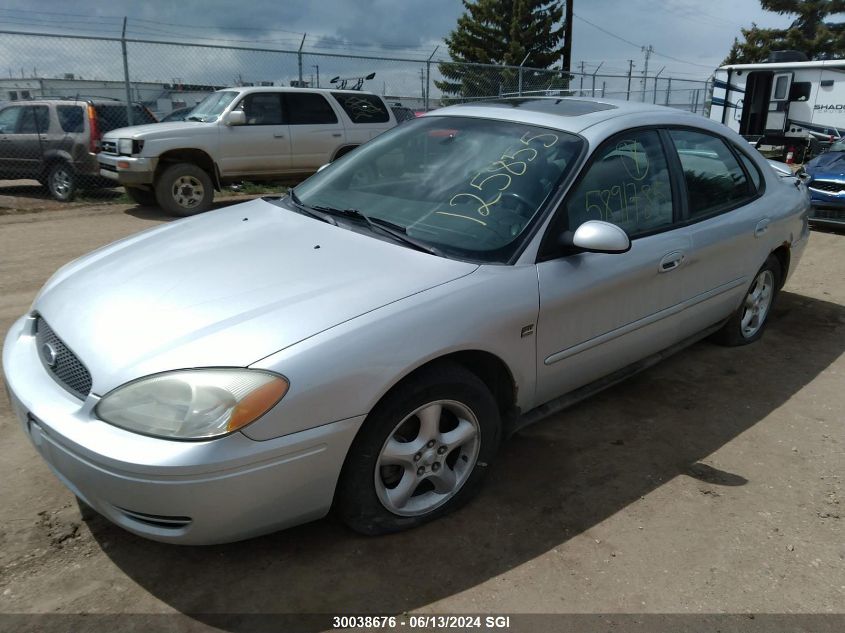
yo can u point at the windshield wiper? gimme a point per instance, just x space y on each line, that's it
396 231
301 208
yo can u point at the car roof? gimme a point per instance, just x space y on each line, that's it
570 114
249 89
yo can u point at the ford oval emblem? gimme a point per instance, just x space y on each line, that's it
49 354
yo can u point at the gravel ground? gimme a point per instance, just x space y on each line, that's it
709 484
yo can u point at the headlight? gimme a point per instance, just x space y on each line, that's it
124 146
192 404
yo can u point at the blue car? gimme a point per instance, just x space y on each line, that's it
827 186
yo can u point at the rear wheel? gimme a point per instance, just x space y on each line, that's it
184 189
142 197
748 322
62 182
421 453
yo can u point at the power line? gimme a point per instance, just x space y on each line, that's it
640 46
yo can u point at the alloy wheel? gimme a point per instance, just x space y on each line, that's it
757 303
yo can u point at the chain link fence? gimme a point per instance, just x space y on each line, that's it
164 76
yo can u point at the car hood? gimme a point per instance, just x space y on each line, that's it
159 130
830 162
225 289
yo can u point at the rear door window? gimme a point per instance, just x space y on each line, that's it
715 181
362 108
34 120
306 108
71 119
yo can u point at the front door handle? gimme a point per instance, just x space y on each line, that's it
671 261
762 227
337 134
279 136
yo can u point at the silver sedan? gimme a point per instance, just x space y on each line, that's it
367 342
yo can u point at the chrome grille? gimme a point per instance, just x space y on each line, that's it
108 147
828 185
60 361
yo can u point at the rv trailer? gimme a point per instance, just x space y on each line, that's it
786 102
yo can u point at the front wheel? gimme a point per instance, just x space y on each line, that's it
746 325
421 453
184 189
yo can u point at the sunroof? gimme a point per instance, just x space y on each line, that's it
559 106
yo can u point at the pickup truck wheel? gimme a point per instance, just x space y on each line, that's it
62 182
142 197
184 189
421 453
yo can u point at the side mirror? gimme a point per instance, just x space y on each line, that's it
236 117
595 236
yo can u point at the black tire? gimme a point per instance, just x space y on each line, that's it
62 182
357 501
196 196
142 197
733 334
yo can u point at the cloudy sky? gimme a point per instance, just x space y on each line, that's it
696 34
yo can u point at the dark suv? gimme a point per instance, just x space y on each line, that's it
56 140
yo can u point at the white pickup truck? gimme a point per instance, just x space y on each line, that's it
239 134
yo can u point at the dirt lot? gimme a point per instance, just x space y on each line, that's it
711 483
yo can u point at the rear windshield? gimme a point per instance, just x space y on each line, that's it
362 108
111 117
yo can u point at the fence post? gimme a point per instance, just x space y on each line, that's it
126 74
428 77
524 59
299 58
655 84
603 87
593 91
630 72
668 90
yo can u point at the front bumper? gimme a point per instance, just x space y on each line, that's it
828 207
127 170
193 493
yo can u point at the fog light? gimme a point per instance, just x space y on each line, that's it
123 164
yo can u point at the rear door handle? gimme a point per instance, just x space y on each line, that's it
337 135
671 261
279 136
762 227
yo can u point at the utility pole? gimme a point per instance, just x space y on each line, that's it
648 50
567 38
630 72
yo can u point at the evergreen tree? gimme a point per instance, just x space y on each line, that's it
808 33
497 32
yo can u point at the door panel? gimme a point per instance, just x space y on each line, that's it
601 312
316 131
260 147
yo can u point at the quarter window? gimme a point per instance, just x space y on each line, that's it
309 108
752 170
262 108
627 184
71 119
715 181
362 108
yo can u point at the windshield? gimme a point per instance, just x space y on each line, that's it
468 187
212 106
